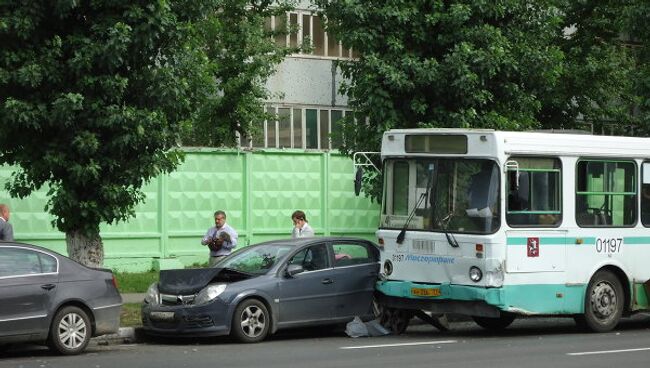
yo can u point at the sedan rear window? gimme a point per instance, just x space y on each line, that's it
21 262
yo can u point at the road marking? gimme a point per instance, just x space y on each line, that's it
607 351
403 344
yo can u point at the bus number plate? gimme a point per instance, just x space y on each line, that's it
425 292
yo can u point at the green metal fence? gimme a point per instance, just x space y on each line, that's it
258 190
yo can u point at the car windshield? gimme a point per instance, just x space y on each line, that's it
257 259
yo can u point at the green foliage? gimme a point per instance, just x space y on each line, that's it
596 81
243 55
130 315
637 27
96 96
93 95
462 64
135 282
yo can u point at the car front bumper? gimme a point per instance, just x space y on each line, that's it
186 320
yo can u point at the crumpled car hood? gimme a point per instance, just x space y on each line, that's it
191 281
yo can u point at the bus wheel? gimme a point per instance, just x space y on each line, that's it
397 320
604 302
496 323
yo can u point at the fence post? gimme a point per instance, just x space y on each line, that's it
325 204
246 195
163 192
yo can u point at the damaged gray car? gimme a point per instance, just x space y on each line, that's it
263 288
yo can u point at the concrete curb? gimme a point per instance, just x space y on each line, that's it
125 335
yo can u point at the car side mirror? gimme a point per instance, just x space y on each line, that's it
294 269
357 181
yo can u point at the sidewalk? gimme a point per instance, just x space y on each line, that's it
132 298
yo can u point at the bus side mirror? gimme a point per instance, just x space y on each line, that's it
513 167
357 181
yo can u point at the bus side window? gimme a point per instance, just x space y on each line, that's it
606 193
534 192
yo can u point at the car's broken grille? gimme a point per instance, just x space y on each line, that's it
168 299
198 321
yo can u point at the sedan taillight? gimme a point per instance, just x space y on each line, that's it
114 281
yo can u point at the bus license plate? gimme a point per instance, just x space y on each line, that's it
425 292
162 316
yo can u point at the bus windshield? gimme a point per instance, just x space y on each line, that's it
446 194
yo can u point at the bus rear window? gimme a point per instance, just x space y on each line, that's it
441 144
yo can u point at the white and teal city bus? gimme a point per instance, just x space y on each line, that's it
495 225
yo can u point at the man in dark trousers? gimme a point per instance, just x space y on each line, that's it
6 230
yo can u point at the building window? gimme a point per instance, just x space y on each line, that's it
606 193
298 142
310 28
309 128
284 128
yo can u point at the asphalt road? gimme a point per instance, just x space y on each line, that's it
529 343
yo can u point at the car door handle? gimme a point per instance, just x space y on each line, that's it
327 281
48 286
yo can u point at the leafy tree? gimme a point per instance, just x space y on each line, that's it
451 63
637 28
93 95
243 55
596 81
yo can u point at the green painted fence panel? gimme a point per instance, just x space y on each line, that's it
258 190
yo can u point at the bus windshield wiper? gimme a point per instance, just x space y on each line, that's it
444 223
402 234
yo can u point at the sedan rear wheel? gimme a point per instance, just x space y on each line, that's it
251 321
70 331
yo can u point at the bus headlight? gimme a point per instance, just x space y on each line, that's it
475 274
388 267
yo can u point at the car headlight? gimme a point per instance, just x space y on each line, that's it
153 295
208 293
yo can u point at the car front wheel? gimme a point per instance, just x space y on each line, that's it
70 331
251 321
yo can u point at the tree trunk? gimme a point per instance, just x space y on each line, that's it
87 250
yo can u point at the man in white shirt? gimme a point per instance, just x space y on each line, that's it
221 238
6 230
301 228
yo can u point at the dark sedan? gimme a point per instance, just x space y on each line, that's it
48 298
266 287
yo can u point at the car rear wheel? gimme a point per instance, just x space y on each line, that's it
251 321
70 331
